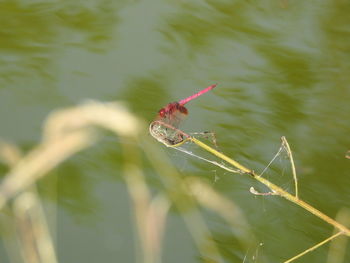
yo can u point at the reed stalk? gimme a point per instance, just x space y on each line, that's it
274 188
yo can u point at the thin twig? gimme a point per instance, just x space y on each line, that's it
274 188
255 192
314 247
347 154
290 155
337 247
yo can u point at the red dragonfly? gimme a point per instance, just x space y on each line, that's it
164 127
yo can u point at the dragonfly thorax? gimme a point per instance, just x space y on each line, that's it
171 109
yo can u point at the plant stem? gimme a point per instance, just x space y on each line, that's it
313 248
278 190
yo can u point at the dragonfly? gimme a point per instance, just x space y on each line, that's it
165 126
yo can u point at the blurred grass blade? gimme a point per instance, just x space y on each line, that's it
35 239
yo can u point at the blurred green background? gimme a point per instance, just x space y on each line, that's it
282 68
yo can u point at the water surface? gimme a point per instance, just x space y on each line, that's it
282 69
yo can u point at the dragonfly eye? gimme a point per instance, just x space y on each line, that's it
162 112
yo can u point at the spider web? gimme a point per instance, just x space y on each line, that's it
278 165
190 149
